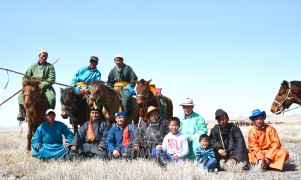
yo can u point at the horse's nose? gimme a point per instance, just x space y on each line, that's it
272 110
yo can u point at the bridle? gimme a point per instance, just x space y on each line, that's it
146 94
34 96
287 97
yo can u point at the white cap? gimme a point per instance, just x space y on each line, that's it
49 111
118 55
42 51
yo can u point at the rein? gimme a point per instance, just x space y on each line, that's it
287 97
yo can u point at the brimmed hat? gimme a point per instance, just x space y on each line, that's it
49 111
94 58
256 113
187 102
120 113
219 113
150 109
118 56
42 51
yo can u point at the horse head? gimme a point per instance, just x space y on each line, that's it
67 101
31 93
283 99
143 90
96 92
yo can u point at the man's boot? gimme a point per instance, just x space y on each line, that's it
21 113
162 161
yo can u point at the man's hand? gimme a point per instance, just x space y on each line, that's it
222 152
39 147
66 144
73 148
136 148
100 149
267 161
116 153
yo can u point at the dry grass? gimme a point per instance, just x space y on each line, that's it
14 164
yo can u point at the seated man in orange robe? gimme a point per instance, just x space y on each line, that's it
264 144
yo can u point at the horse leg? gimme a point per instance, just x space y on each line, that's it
29 134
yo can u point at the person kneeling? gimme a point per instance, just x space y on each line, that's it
119 136
174 147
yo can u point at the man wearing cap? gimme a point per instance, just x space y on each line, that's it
43 70
85 75
47 142
264 144
119 136
150 134
227 140
90 140
192 126
123 79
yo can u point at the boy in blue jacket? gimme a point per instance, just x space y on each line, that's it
205 154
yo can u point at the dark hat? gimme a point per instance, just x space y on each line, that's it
219 113
94 58
95 108
256 113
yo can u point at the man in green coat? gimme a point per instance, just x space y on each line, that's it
192 126
43 70
123 79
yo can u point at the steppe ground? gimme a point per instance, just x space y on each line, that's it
15 164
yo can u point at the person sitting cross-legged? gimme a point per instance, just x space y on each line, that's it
90 140
264 144
174 146
47 142
119 136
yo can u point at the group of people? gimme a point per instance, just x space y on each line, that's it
172 140
122 78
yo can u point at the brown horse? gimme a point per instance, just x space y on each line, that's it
111 102
34 102
289 93
147 97
74 106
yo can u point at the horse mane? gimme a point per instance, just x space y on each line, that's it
100 83
142 81
297 83
30 82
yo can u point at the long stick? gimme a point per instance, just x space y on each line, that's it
27 76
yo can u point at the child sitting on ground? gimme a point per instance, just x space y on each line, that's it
174 146
205 154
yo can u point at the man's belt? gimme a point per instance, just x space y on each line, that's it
121 83
82 84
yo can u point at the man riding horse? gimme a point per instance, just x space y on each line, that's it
123 79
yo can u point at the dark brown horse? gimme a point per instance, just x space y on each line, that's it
34 102
111 102
74 106
289 93
147 97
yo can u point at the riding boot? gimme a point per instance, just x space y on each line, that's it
21 113
162 161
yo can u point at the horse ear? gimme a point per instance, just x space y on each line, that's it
71 90
61 90
284 83
24 81
147 82
137 82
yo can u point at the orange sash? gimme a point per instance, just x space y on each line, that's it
125 136
90 131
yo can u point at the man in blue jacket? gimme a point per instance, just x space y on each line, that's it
85 75
119 136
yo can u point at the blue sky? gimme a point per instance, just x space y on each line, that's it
224 54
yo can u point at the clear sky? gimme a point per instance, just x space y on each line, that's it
224 54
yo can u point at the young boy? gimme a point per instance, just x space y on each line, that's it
119 136
174 146
205 154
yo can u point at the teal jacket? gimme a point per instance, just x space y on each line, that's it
85 75
193 127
